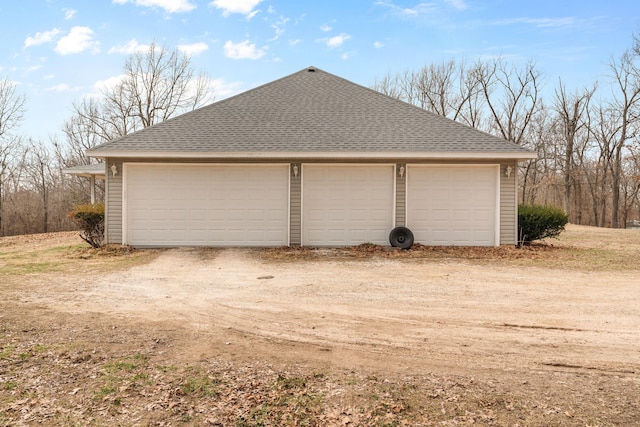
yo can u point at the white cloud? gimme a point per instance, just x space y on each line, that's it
538 22
169 6
243 7
69 13
49 77
378 45
337 41
279 28
222 89
418 9
78 40
326 28
295 42
33 68
62 87
457 4
41 38
102 86
345 56
132 46
192 49
242 50
252 14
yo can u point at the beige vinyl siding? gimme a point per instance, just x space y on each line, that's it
508 205
295 206
113 202
401 195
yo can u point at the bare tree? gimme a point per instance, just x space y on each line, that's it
83 131
571 109
512 96
539 178
157 85
388 85
631 185
449 89
624 110
41 176
160 84
12 106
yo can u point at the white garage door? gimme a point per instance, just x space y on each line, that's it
206 205
453 205
346 204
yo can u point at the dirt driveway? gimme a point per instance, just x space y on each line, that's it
453 315
525 328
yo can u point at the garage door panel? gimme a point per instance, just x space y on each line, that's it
452 205
346 205
484 215
213 205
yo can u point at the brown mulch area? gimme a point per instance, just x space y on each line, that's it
367 250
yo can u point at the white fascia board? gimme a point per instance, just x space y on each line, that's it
83 172
458 155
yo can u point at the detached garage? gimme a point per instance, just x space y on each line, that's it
310 159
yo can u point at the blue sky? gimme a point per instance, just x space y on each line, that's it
58 51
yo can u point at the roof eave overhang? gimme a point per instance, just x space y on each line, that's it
87 173
436 155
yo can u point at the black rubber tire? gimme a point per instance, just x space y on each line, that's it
401 237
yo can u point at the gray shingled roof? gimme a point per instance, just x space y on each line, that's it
310 111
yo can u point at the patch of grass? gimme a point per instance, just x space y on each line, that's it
127 364
105 260
6 352
106 390
9 385
46 254
22 261
20 269
40 348
120 366
202 385
121 374
290 383
142 377
65 249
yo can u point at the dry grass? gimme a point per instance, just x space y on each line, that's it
63 253
60 373
60 369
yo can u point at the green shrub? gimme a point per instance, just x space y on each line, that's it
90 219
539 222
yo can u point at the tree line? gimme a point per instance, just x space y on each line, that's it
586 138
